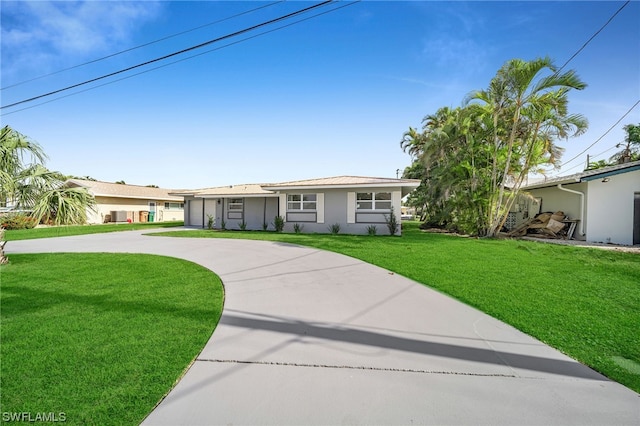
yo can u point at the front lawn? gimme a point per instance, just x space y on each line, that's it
582 301
66 231
100 338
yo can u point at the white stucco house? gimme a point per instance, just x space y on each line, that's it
353 202
129 201
605 201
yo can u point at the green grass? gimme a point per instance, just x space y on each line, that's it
100 337
583 301
66 231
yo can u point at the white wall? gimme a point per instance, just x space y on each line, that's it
610 206
105 205
553 200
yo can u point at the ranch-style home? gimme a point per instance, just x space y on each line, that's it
123 203
354 203
605 202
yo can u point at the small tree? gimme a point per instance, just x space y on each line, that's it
392 222
278 223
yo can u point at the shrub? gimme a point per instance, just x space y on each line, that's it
278 223
211 221
335 228
392 222
17 221
265 226
243 225
372 230
223 225
297 228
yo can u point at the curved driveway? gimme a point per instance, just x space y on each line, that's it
313 337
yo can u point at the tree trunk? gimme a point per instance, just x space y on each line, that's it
3 258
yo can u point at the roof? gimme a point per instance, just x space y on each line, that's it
270 189
244 190
108 189
588 175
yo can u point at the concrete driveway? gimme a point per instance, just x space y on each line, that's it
313 337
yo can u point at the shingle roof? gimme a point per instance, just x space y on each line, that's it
229 190
586 175
347 181
107 189
266 189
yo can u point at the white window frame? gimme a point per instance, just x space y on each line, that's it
176 206
235 204
299 205
374 201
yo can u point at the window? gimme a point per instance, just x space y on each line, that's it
235 204
373 201
301 202
174 206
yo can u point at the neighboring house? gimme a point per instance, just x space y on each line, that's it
606 202
128 201
353 202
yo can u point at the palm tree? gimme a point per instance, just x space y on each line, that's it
631 146
526 114
27 184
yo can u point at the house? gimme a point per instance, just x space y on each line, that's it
606 202
354 203
120 203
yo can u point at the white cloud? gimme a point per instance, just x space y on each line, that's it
46 35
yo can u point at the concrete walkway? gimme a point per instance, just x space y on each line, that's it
312 337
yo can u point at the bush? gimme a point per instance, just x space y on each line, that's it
372 230
392 222
18 221
335 228
265 226
297 228
211 221
243 225
278 223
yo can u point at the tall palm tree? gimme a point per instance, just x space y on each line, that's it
527 113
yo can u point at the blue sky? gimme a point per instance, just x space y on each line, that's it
328 96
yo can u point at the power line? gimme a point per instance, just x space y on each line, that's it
140 46
605 133
593 36
183 59
189 49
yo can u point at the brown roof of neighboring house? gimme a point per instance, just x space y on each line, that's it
108 189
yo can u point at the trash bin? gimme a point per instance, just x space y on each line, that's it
144 216
151 215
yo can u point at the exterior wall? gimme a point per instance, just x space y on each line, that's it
610 207
105 205
553 199
339 208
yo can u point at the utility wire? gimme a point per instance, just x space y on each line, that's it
189 49
605 133
183 59
593 36
141 45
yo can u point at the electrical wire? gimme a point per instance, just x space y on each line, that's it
93 61
605 133
593 36
183 59
189 49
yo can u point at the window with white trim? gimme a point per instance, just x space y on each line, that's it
301 202
174 206
235 204
373 201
